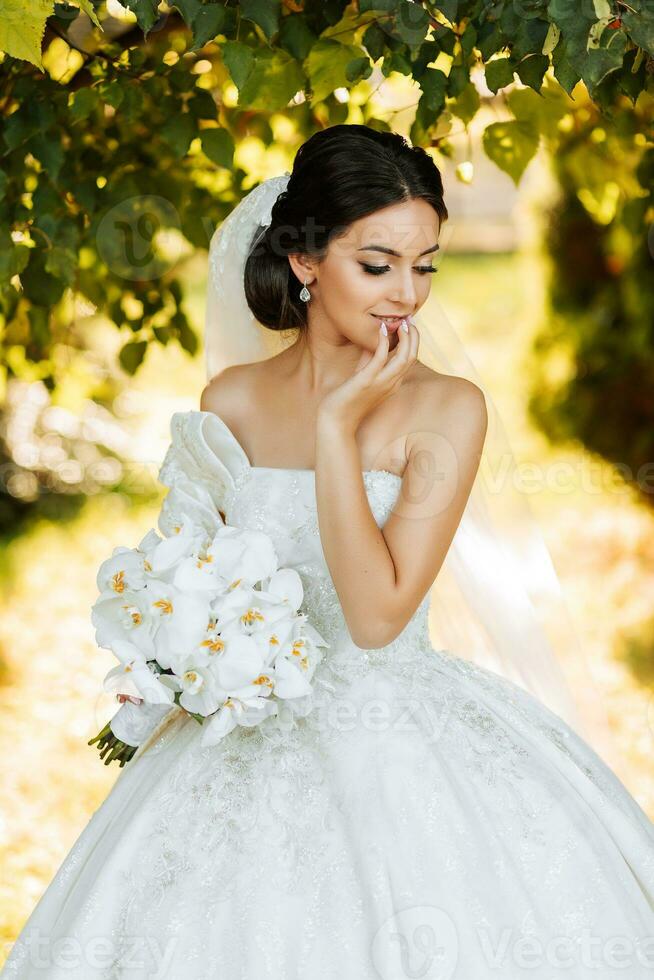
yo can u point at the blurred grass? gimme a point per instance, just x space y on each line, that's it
51 671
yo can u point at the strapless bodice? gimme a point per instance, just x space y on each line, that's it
206 468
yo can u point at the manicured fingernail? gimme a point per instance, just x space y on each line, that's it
404 326
383 329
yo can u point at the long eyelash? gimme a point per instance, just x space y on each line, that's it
377 270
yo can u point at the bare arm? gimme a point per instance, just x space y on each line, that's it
381 576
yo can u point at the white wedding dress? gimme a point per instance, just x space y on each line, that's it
427 819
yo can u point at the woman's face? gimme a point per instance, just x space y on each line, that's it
358 283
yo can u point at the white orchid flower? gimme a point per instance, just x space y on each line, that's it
124 571
199 571
244 555
181 620
285 586
247 611
240 662
292 674
149 541
201 692
234 711
125 618
137 679
167 552
210 646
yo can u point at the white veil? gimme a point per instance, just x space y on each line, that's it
497 599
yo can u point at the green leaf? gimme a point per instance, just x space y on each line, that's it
412 24
84 101
490 39
398 62
13 259
326 66
359 68
457 79
202 106
39 285
39 318
187 337
468 40
374 41
566 75
211 20
274 79
511 145
87 7
131 108
499 73
218 145
640 28
543 111
147 13
22 27
296 37
49 152
239 59
189 9
265 13
112 92
62 263
21 125
532 70
434 86
465 106
529 38
605 59
386 6
178 132
131 355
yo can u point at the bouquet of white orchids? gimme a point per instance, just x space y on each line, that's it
206 621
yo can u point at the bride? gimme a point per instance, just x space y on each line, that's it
433 815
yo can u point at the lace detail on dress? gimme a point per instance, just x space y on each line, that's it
418 781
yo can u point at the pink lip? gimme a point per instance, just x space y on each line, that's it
391 325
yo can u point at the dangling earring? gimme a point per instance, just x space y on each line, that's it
305 295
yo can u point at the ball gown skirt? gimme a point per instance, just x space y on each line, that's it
428 818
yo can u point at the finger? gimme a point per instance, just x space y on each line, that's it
398 360
378 358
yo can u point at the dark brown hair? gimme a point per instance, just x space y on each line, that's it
340 174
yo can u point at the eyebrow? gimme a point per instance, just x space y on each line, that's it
390 251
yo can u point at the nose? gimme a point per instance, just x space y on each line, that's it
405 293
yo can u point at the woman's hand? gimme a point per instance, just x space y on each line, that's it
376 377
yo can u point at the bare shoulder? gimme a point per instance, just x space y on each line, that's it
227 390
447 403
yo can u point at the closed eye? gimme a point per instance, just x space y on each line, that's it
377 270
